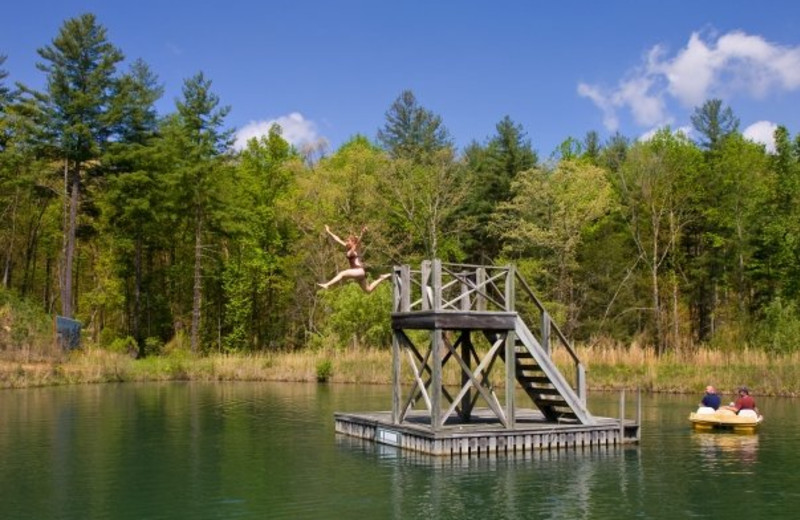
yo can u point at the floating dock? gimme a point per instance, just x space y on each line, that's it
465 320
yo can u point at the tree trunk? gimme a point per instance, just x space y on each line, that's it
198 287
69 243
10 247
137 296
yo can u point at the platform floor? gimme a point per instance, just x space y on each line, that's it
484 433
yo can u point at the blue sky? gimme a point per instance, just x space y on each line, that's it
327 70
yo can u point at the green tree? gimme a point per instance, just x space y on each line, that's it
196 145
258 278
550 215
714 123
491 170
80 65
411 131
655 184
133 194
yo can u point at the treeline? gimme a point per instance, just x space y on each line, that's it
152 229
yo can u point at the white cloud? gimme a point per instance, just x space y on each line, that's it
735 63
762 132
296 129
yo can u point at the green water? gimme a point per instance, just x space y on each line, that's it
268 450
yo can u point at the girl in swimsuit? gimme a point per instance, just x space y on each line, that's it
356 270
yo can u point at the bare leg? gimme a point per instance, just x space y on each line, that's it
347 274
371 287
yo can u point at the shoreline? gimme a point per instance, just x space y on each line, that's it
607 370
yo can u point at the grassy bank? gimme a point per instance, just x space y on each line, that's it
607 369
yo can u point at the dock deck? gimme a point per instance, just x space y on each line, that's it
484 434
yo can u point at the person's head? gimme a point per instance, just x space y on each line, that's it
710 390
351 241
743 390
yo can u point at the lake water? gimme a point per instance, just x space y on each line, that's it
268 450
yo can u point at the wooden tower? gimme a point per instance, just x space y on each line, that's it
457 326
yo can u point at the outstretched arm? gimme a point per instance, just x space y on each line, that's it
328 230
363 230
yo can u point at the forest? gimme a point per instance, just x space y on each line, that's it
152 229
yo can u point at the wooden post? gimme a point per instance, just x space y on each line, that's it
580 382
466 354
546 332
436 282
480 283
405 288
397 390
436 346
463 301
436 379
622 416
510 354
425 285
639 416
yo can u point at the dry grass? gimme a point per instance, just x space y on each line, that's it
608 368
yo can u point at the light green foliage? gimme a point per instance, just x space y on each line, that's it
324 370
548 218
356 318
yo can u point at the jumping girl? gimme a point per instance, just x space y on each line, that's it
356 270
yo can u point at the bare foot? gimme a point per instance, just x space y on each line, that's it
322 285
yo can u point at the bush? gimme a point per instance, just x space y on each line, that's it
324 370
359 318
126 345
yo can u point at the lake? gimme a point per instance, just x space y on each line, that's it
268 450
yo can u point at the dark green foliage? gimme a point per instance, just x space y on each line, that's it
411 131
714 123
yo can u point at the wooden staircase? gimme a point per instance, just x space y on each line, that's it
543 382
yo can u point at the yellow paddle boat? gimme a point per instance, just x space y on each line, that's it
707 419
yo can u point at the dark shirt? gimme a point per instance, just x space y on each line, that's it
712 401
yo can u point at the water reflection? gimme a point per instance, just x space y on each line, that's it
253 450
719 450
535 484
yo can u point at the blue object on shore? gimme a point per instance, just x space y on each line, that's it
68 332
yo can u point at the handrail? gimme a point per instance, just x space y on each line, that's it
551 323
466 287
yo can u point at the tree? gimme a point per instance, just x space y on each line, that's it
655 184
423 200
257 279
714 123
411 131
491 171
549 216
133 195
80 65
196 145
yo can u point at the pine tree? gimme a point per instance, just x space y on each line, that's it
80 65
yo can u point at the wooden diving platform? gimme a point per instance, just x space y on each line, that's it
467 319
484 434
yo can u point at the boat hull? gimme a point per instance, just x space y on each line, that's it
725 420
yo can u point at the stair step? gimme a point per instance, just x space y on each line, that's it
541 391
542 380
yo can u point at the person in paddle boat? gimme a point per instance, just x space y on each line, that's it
744 402
711 398
356 270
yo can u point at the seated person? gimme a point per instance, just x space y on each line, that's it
744 402
711 399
